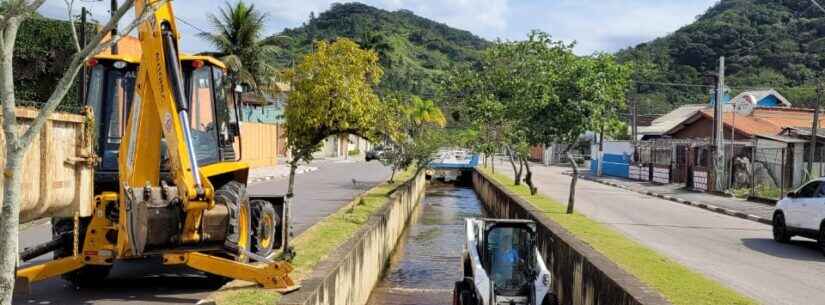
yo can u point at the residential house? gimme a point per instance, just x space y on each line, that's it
669 122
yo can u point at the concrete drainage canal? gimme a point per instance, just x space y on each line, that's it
427 261
410 252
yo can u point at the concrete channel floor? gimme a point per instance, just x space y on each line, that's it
317 194
736 252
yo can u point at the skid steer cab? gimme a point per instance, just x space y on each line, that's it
502 265
192 207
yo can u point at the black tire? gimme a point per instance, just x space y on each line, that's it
239 232
264 227
780 230
550 299
89 275
463 293
456 293
820 241
468 267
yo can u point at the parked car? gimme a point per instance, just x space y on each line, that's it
377 153
802 213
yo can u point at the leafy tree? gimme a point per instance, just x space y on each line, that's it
407 123
332 94
534 92
239 28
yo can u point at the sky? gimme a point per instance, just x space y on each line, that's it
595 25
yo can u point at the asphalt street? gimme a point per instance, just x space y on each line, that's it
738 253
317 195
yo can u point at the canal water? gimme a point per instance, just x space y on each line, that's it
427 261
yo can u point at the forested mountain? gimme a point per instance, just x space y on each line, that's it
414 51
767 43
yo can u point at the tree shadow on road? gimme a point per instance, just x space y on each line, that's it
797 249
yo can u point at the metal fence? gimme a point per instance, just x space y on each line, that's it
767 172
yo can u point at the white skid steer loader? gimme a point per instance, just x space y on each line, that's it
502 265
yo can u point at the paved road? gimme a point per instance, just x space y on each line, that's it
317 194
737 252
320 193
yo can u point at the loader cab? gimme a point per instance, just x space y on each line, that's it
508 256
213 115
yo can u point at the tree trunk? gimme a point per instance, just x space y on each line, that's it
493 163
528 178
392 176
293 166
572 201
12 171
516 170
10 216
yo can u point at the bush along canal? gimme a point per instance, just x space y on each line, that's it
427 261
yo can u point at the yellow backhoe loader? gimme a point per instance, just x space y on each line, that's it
168 180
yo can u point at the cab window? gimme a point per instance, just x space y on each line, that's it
94 94
509 260
202 116
110 94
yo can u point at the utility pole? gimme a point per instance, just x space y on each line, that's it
82 91
814 130
719 129
114 29
601 150
635 120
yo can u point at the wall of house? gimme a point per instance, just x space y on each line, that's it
703 128
616 158
260 144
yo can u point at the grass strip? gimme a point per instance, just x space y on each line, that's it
314 244
677 283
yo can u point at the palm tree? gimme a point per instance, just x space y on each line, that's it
238 30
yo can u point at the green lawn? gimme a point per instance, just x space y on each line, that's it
317 242
678 284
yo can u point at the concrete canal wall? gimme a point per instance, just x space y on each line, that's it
350 272
582 276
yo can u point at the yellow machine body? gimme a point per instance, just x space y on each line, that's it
155 114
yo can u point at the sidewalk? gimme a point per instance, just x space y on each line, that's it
760 212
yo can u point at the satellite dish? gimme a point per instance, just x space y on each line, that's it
745 106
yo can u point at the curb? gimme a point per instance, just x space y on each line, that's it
705 206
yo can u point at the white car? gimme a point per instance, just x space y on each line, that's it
802 213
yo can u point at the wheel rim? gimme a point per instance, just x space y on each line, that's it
243 239
265 234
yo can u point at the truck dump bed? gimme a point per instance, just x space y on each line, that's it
58 170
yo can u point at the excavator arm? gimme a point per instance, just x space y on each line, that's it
160 109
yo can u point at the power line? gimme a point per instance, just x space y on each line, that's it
673 84
190 24
739 88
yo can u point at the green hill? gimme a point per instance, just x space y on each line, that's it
767 43
414 50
